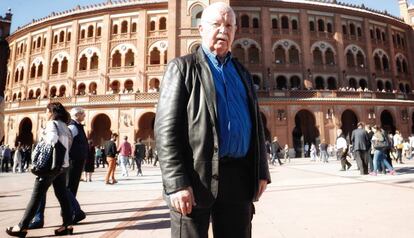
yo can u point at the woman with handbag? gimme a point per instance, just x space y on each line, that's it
380 144
57 134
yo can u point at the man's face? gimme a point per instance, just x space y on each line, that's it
81 117
217 31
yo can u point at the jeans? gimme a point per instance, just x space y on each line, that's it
324 156
379 157
41 186
124 165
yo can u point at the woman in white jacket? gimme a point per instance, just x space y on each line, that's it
56 129
17 159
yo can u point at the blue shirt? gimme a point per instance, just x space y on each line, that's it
232 107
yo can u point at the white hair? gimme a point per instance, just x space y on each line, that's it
217 6
74 112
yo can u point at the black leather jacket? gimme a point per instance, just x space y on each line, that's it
186 129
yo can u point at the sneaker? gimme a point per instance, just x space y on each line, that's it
373 174
392 172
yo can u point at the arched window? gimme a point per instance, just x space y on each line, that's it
352 29
115 29
40 70
404 66
294 25
401 87
360 60
255 23
31 94
94 61
353 83
16 76
115 86
134 27
350 59
280 57
152 26
61 36
37 95
332 83
163 23
124 27
377 61
165 56
384 38
371 33
81 89
293 55
295 82
19 96
363 84
196 12
33 71
39 42
83 63
399 66
64 66
68 36
245 21
320 83
385 63
82 35
53 91
55 66
311 26
116 59
378 34
92 88
344 30
359 31
321 25
285 22
90 31
274 23
380 85
129 58
155 56
99 31
154 85
14 97
329 57
329 27
253 54
55 39
388 86
129 86
281 83
317 56
62 91
238 52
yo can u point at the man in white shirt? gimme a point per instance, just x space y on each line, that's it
342 150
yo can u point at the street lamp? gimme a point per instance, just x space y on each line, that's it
371 114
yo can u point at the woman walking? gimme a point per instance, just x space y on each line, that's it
380 144
56 130
17 159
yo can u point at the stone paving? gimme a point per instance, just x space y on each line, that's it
305 199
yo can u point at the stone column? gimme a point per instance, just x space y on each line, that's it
369 61
340 47
392 66
267 54
73 53
306 59
105 53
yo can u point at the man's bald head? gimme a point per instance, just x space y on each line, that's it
218 7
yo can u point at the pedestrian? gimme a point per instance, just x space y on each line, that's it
125 151
56 130
150 155
98 156
6 158
17 158
313 152
139 154
360 145
398 146
110 153
155 157
342 151
209 136
90 162
104 161
370 152
323 148
286 153
275 151
380 144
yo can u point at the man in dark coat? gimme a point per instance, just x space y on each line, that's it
139 154
360 145
275 150
209 136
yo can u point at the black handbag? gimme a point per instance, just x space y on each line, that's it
381 144
48 159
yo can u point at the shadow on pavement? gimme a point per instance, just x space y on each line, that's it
405 170
126 210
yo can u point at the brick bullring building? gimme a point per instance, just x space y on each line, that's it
317 66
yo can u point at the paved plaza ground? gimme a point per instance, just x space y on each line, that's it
306 199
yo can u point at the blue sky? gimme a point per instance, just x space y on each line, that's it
26 10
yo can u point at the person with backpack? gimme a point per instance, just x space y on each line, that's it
380 144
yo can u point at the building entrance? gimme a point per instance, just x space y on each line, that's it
25 135
387 122
305 133
349 122
101 129
146 128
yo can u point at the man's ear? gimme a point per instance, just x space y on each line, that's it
200 29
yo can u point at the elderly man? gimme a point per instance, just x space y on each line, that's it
209 136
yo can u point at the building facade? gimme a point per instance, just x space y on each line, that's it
317 65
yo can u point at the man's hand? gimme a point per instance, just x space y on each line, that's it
183 200
262 188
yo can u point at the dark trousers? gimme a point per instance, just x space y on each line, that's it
138 161
5 164
362 161
370 162
39 192
341 154
231 213
74 175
